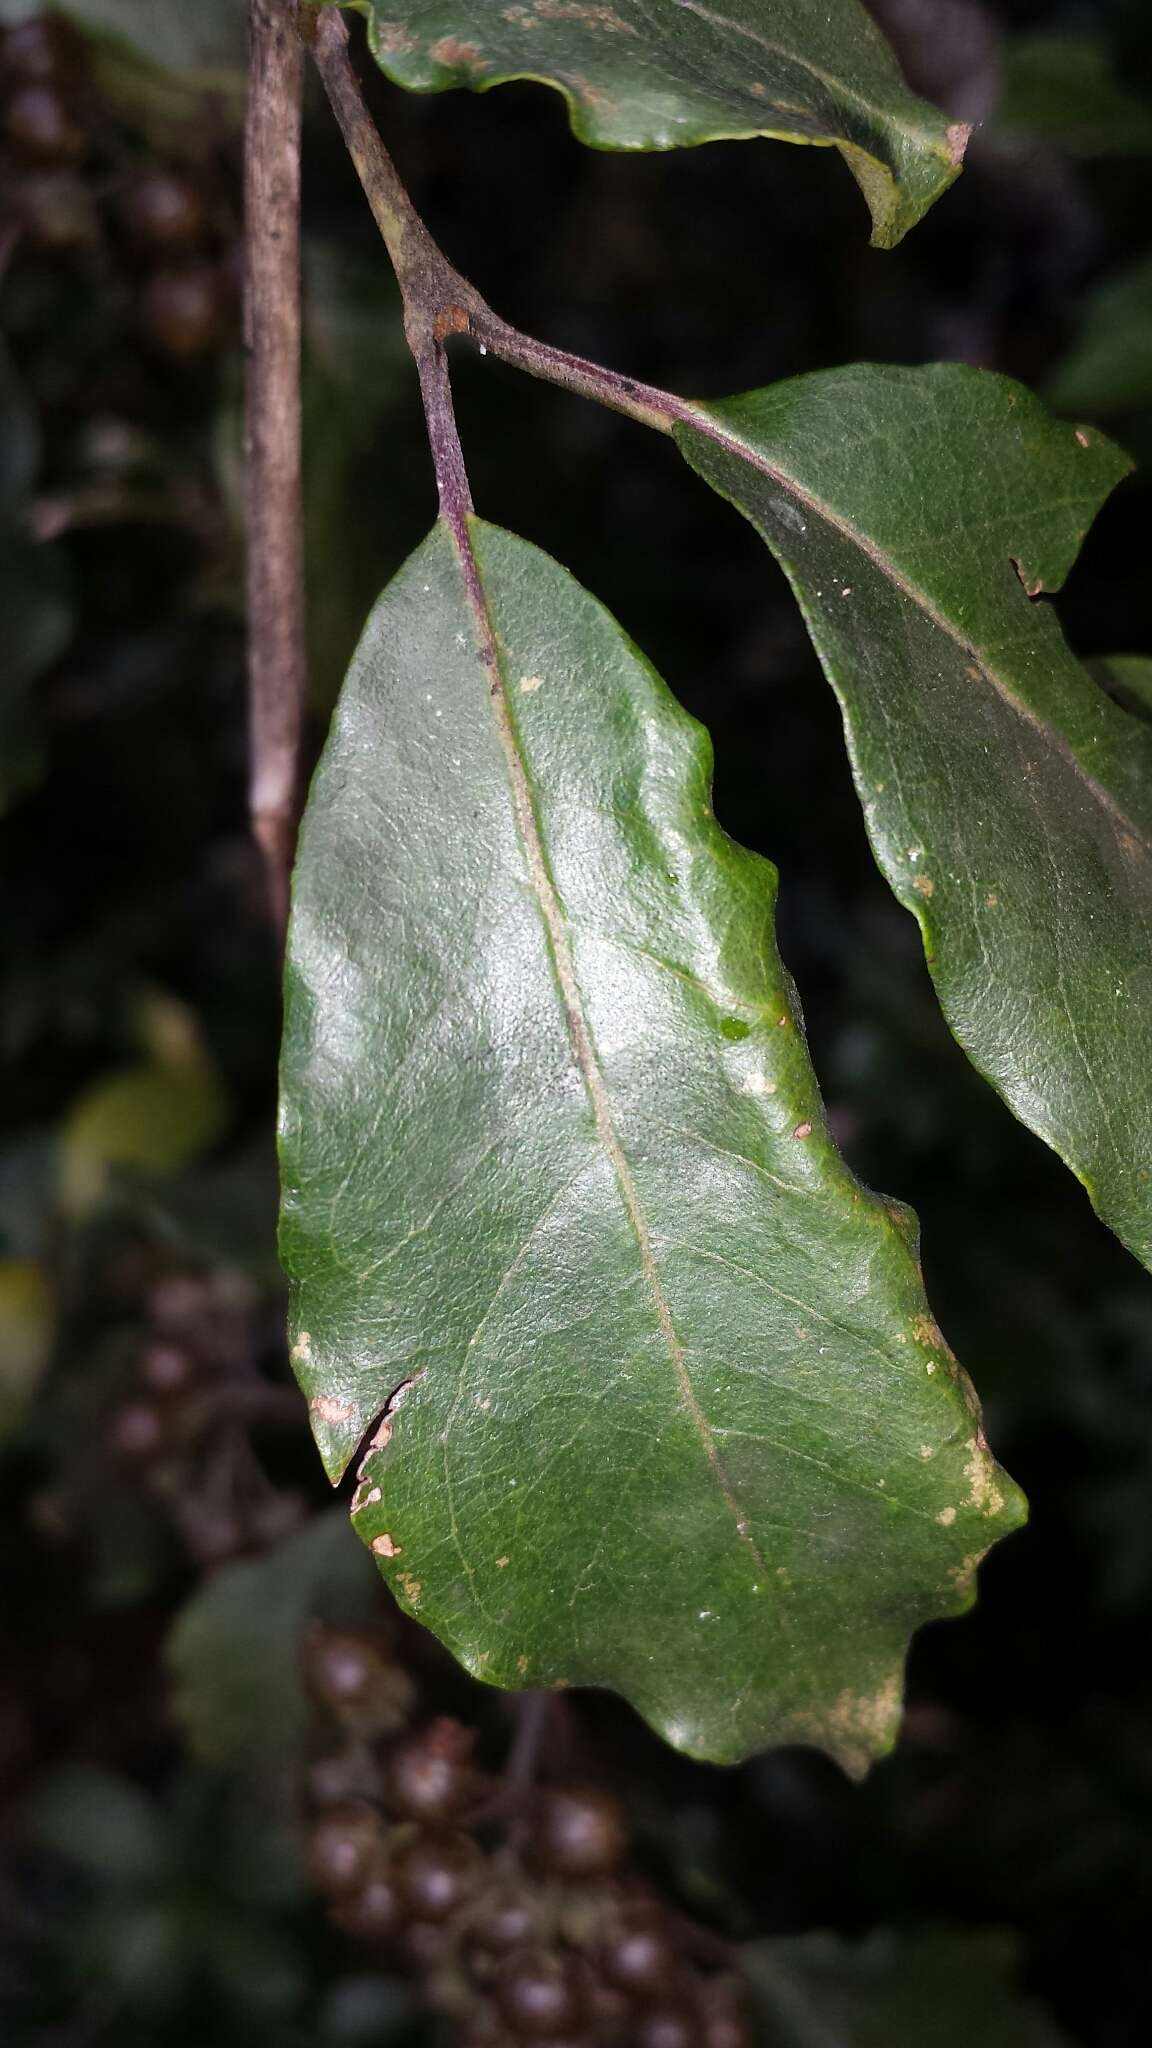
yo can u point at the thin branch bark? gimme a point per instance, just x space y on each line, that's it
272 434
437 300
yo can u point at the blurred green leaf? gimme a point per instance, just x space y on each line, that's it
203 36
1108 367
934 1989
234 1654
1062 90
103 1824
1127 678
26 1331
152 1118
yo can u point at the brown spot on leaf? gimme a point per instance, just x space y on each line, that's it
530 683
521 1665
384 1546
328 1409
411 1587
802 1131
924 886
956 139
991 901
946 1517
928 1332
450 50
501 1562
1082 438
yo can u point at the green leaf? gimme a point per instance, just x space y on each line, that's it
950 1987
1062 90
234 1653
1108 368
659 1404
638 77
917 513
27 1327
207 37
1127 678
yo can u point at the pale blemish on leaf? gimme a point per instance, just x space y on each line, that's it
924 886
980 1472
328 1409
530 683
603 18
860 1727
385 1547
501 1562
410 1587
450 50
946 1517
758 1084
802 1131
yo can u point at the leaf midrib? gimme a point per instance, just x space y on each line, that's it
838 87
706 423
583 1048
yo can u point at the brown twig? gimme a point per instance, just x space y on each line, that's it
272 434
439 302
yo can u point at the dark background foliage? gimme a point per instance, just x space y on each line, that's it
150 1883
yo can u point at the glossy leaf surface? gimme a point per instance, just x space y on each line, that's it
641 75
663 1405
918 514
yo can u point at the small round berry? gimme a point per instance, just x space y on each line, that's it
438 1873
430 1777
276 1515
504 1920
39 128
163 212
137 1431
638 1955
346 1777
38 50
578 1831
183 310
374 1912
166 1369
343 1666
177 1300
538 1993
667 2027
426 1943
55 210
343 1848
213 1534
727 2030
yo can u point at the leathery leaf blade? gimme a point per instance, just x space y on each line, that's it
665 74
657 1402
919 515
